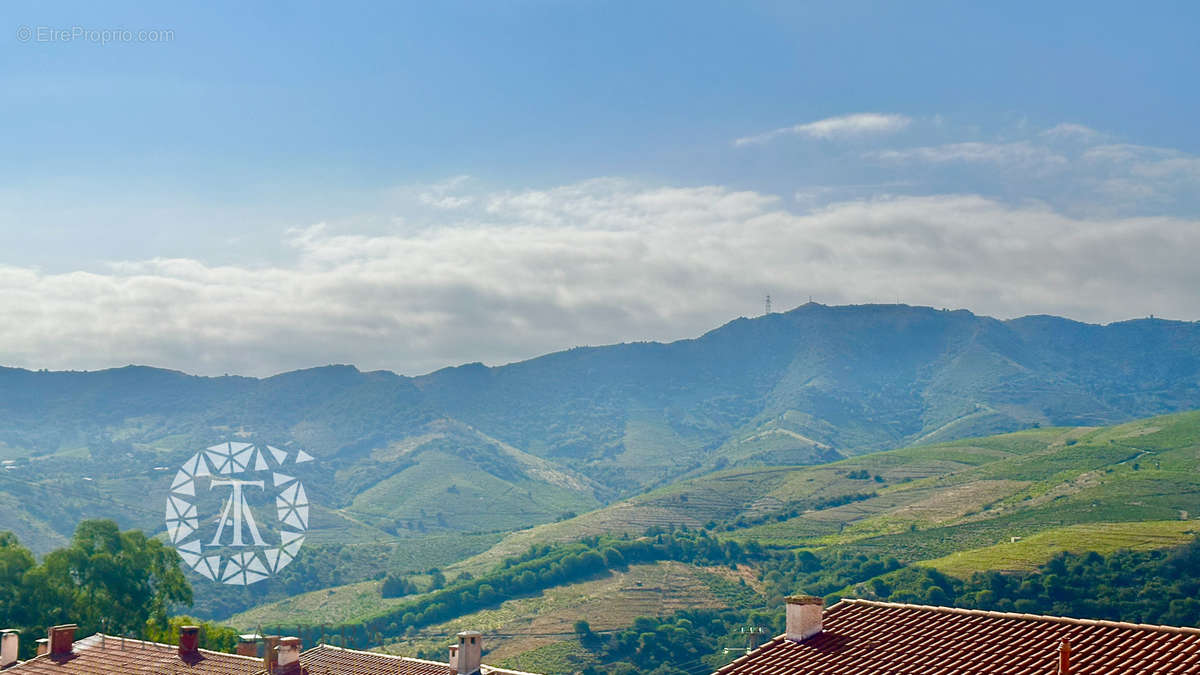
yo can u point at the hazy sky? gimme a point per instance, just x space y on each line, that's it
223 188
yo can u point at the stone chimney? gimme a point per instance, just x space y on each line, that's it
803 616
247 644
469 656
454 658
270 642
288 659
62 639
43 646
9 640
189 640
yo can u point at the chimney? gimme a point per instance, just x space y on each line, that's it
62 639
8 647
288 660
247 644
1064 658
189 640
469 652
269 655
43 646
803 616
454 658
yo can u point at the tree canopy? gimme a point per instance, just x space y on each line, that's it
105 580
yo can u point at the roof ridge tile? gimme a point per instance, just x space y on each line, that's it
1186 630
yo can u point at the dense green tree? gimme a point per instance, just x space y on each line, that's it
396 586
15 561
212 636
105 580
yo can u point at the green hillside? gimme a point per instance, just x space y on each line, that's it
927 501
952 506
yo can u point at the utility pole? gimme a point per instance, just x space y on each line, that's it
753 637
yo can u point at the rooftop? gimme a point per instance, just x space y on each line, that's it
326 659
108 655
101 654
863 636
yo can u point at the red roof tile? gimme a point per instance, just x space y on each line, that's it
101 655
106 655
861 636
327 660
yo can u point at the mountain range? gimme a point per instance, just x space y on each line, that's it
490 449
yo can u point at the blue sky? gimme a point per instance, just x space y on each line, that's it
276 165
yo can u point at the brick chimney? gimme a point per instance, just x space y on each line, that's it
189 640
247 644
288 659
270 642
804 616
9 640
62 639
43 646
468 657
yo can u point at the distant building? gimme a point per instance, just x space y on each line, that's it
862 636
61 654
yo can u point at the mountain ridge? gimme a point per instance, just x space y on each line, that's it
805 386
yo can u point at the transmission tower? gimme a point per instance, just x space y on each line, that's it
768 304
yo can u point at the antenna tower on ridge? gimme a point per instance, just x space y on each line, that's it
768 304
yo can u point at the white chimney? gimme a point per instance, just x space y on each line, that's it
289 653
804 616
469 655
8 647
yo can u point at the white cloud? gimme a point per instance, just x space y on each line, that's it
527 272
1019 153
1071 131
1147 162
845 126
444 194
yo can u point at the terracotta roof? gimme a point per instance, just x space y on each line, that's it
861 636
102 654
324 659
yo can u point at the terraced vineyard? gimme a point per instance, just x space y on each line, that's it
1025 554
608 603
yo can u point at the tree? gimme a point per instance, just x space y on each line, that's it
15 561
613 558
437 579
212 636
108 580
395 586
